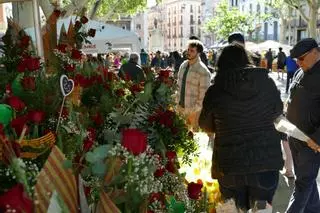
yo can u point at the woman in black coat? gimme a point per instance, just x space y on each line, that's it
240 108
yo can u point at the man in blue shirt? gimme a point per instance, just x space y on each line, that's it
292 67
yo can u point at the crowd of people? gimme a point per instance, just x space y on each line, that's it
237 109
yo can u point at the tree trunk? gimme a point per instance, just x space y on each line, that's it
283 29
22 13
312 24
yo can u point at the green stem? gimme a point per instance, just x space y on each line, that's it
35 131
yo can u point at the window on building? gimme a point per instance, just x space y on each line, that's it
199 11
181 20
242 8
258 8
138 26
250 8
191 19
199 20
191 9
191 30
181 32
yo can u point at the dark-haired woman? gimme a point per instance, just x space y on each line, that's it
240 108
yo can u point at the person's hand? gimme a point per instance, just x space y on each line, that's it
313 145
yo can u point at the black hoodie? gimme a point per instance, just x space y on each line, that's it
240 108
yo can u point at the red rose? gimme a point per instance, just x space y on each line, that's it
136 88
92 32
111 76
134 140
24 41
28 83
36 117
16 199
194 190
107 87
156 197
87 190
70 67
57 13
77 25
16 103
33 64
164 74
97 119
174 130
84 20
18 124
120 92
76 54
152 119
22 66
166 121
171 155
171 167
92 133
8 89
87 144
62 48
159 172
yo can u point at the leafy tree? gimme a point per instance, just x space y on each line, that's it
311 17
228 20
95 9
282 11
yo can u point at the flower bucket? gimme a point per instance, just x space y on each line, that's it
45 142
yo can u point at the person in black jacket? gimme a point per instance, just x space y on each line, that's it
132 70
240 108
304 111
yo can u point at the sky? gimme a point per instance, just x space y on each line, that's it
151 3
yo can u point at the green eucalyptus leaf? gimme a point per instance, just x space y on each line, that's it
99 168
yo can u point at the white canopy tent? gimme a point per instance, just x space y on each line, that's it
274 45
106 34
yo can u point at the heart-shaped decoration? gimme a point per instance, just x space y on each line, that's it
66 85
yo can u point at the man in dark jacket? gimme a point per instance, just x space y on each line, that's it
269 58
238 38
281 62
132 70
304 111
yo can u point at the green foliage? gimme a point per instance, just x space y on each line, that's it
228 20
113 8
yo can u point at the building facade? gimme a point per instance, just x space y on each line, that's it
174 21
140 27
208 10
264 30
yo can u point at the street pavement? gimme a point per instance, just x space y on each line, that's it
285 187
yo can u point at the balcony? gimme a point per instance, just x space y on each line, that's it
174 23
192 22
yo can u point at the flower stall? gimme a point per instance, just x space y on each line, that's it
74 137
